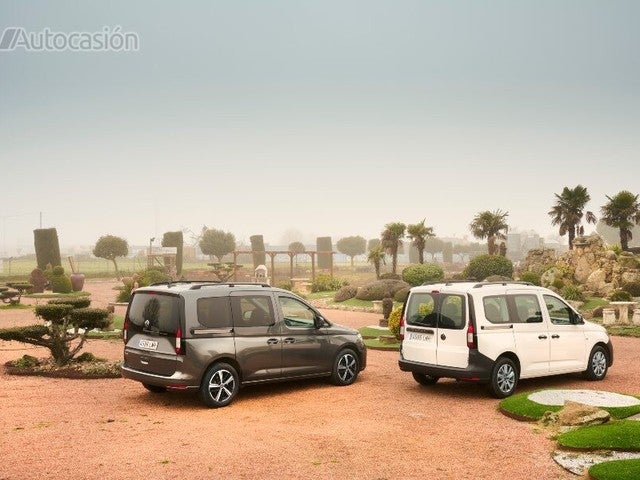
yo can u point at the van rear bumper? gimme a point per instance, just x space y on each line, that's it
478 370
177 381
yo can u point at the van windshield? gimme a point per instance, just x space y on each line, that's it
154 313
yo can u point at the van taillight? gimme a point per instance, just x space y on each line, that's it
402 327
125 329
471 337
179 342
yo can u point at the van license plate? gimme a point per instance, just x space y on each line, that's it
420 337
148 344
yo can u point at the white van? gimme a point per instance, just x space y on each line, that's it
497 333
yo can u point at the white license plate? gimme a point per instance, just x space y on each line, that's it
148 344
420 337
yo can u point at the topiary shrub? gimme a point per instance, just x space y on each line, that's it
380 289
390 276
572 292
531 277
76 302
486 265
47 247
401 295
345 293
38 280
387 306
59 281
394 321
620 296
632 287
421 273
326 283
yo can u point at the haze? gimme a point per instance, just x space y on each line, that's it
315 118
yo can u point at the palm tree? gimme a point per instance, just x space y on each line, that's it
490 225
418 234
568 211
376 257
622 212
392 241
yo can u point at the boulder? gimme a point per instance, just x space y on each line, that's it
578 414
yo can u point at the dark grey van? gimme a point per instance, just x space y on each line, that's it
216 337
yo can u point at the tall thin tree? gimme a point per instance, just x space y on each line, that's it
418 233
392 240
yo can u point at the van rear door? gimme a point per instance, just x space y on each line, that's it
153 325
420 341
452 332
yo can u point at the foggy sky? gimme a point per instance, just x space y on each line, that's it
322 118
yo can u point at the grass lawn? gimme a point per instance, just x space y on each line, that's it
18 306
519 406
593 302
375 342
57 295
619 435
616 470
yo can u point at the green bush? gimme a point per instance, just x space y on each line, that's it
47 247
53 313
90 318
421 273
531 277
380 289
285 285
486 265
401 295
633 288
326 283
394 321
390 276
60 282
572 292
26 361
620 296
558 284
345 293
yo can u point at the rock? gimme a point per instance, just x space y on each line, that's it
578 414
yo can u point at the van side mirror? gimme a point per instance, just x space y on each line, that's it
319 321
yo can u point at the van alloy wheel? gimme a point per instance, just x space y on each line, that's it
346 368
598 364
504 378
219 386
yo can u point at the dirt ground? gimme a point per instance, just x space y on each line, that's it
385 426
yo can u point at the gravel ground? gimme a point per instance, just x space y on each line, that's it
385 426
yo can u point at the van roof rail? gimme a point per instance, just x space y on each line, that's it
228 284
503 282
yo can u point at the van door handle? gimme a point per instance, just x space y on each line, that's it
542 337
289 340
272 341
555 336
443 337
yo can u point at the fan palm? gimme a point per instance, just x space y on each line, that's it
418 233
392 241
569 210
376 257
490 225
622 212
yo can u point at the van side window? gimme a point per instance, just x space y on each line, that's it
452 312
527 309
421 310
214 312
296 313
496 309
559 312
252 311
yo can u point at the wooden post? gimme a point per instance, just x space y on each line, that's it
291 255
273 267
313 266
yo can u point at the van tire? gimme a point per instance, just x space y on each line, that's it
346 367
220 385
598 364
504 378
425 380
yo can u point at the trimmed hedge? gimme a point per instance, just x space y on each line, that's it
484 266
421 273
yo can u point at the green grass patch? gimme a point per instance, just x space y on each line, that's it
616 470
519 406
594 302
57 295
375 342
17 306
620 435
319 295
624 330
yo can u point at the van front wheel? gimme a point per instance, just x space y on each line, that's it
504 378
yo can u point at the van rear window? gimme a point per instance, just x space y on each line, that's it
421 310
154 313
